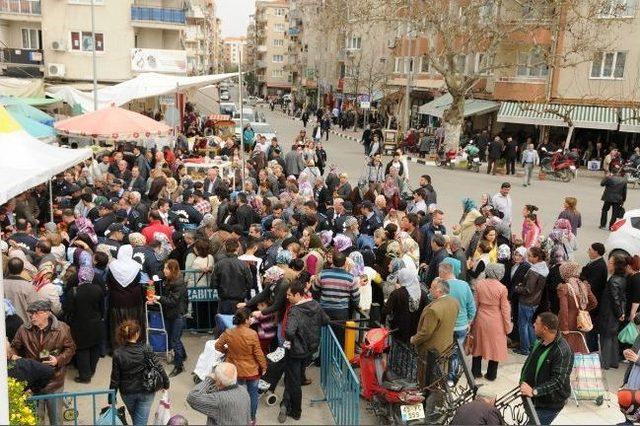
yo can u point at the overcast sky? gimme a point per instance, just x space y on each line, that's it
234 15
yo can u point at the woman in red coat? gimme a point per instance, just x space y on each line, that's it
573 295
492 322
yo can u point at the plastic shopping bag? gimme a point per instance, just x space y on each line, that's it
628 334
107 415
163 412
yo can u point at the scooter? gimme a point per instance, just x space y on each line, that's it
632 172
473 160
393 400
559 165
445 158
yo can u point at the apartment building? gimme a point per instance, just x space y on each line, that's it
53 38
234 50
271 50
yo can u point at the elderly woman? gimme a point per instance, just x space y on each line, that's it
352 229
466 227
405 304
492 322
574 295
410 251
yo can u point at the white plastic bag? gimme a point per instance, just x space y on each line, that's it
163 412
208 359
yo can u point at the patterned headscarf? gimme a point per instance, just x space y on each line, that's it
273 275
44 275
85 274
283 257
494 271
504 252
326 237
468 204
358 263
341 242
570 273
393 249
85 226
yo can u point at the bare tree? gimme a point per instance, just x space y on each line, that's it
468 41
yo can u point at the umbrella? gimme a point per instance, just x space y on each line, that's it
112 123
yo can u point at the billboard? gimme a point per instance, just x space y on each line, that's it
159 60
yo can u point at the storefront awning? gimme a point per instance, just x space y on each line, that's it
471 106
586 117
630 120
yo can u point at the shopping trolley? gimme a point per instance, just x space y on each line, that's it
156 331
588 383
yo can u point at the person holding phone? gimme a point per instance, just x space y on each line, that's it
46 339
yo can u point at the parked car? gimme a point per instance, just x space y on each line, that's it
625 235
228 108
224 96
264 129
247 114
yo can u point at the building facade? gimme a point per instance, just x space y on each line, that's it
272 48
54 38
234 50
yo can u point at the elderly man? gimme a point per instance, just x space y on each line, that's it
19 291
220 398
48 340
434 335
480 411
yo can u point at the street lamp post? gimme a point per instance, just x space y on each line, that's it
93 56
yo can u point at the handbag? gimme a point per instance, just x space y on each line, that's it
628 334
583 319
468 345
152 377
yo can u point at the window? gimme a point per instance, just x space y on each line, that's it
30 38
480 65
278 42
618 9
460 64
279 28
399 65
83 41
425 66
532 64
353 43
276 73
278 58
279 12
404 65
608 65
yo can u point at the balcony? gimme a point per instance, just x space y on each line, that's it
262 48
22 62
520 89
156 17
20 10
261 64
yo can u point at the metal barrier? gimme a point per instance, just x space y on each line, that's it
70 410
339 382
517 409
203 301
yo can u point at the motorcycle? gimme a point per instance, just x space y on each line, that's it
392 399
473 160
632 172
559 164
445 158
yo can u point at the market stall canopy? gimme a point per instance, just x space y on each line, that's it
586 117
630 120
26 162
112 123
17 105
471 106
19 87
39 102
143 86
33 127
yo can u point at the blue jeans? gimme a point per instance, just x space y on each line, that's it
174 330
525 326
547 415
252 388
458 335
139 406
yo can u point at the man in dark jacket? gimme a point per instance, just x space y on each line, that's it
185 213
371 221
439 251
596 274
496 146
302 334
511 149
614 196
232 278
545 374
245 215
430 230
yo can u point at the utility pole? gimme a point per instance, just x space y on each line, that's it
409 73
93 56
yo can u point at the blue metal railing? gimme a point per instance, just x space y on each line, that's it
203 300
157 14
70 410
339 382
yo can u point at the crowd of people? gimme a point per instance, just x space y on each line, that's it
296 246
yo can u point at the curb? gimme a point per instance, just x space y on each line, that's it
334 132
422 161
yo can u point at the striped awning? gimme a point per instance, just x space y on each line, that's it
586 117
630 120
437 106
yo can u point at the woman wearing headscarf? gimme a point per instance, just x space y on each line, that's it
574 295
351 229
405 304
391 191
343 244
126 294
466 227
492 322
46 289
314 259
410 251
84 309
355 261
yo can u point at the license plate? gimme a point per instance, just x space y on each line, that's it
572 167
412 412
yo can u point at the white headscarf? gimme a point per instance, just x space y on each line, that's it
408 278
124 269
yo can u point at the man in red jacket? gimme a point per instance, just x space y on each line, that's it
156 225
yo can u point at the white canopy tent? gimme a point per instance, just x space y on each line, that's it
25 162
143 86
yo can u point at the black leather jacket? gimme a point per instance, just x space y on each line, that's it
128 368
612 305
